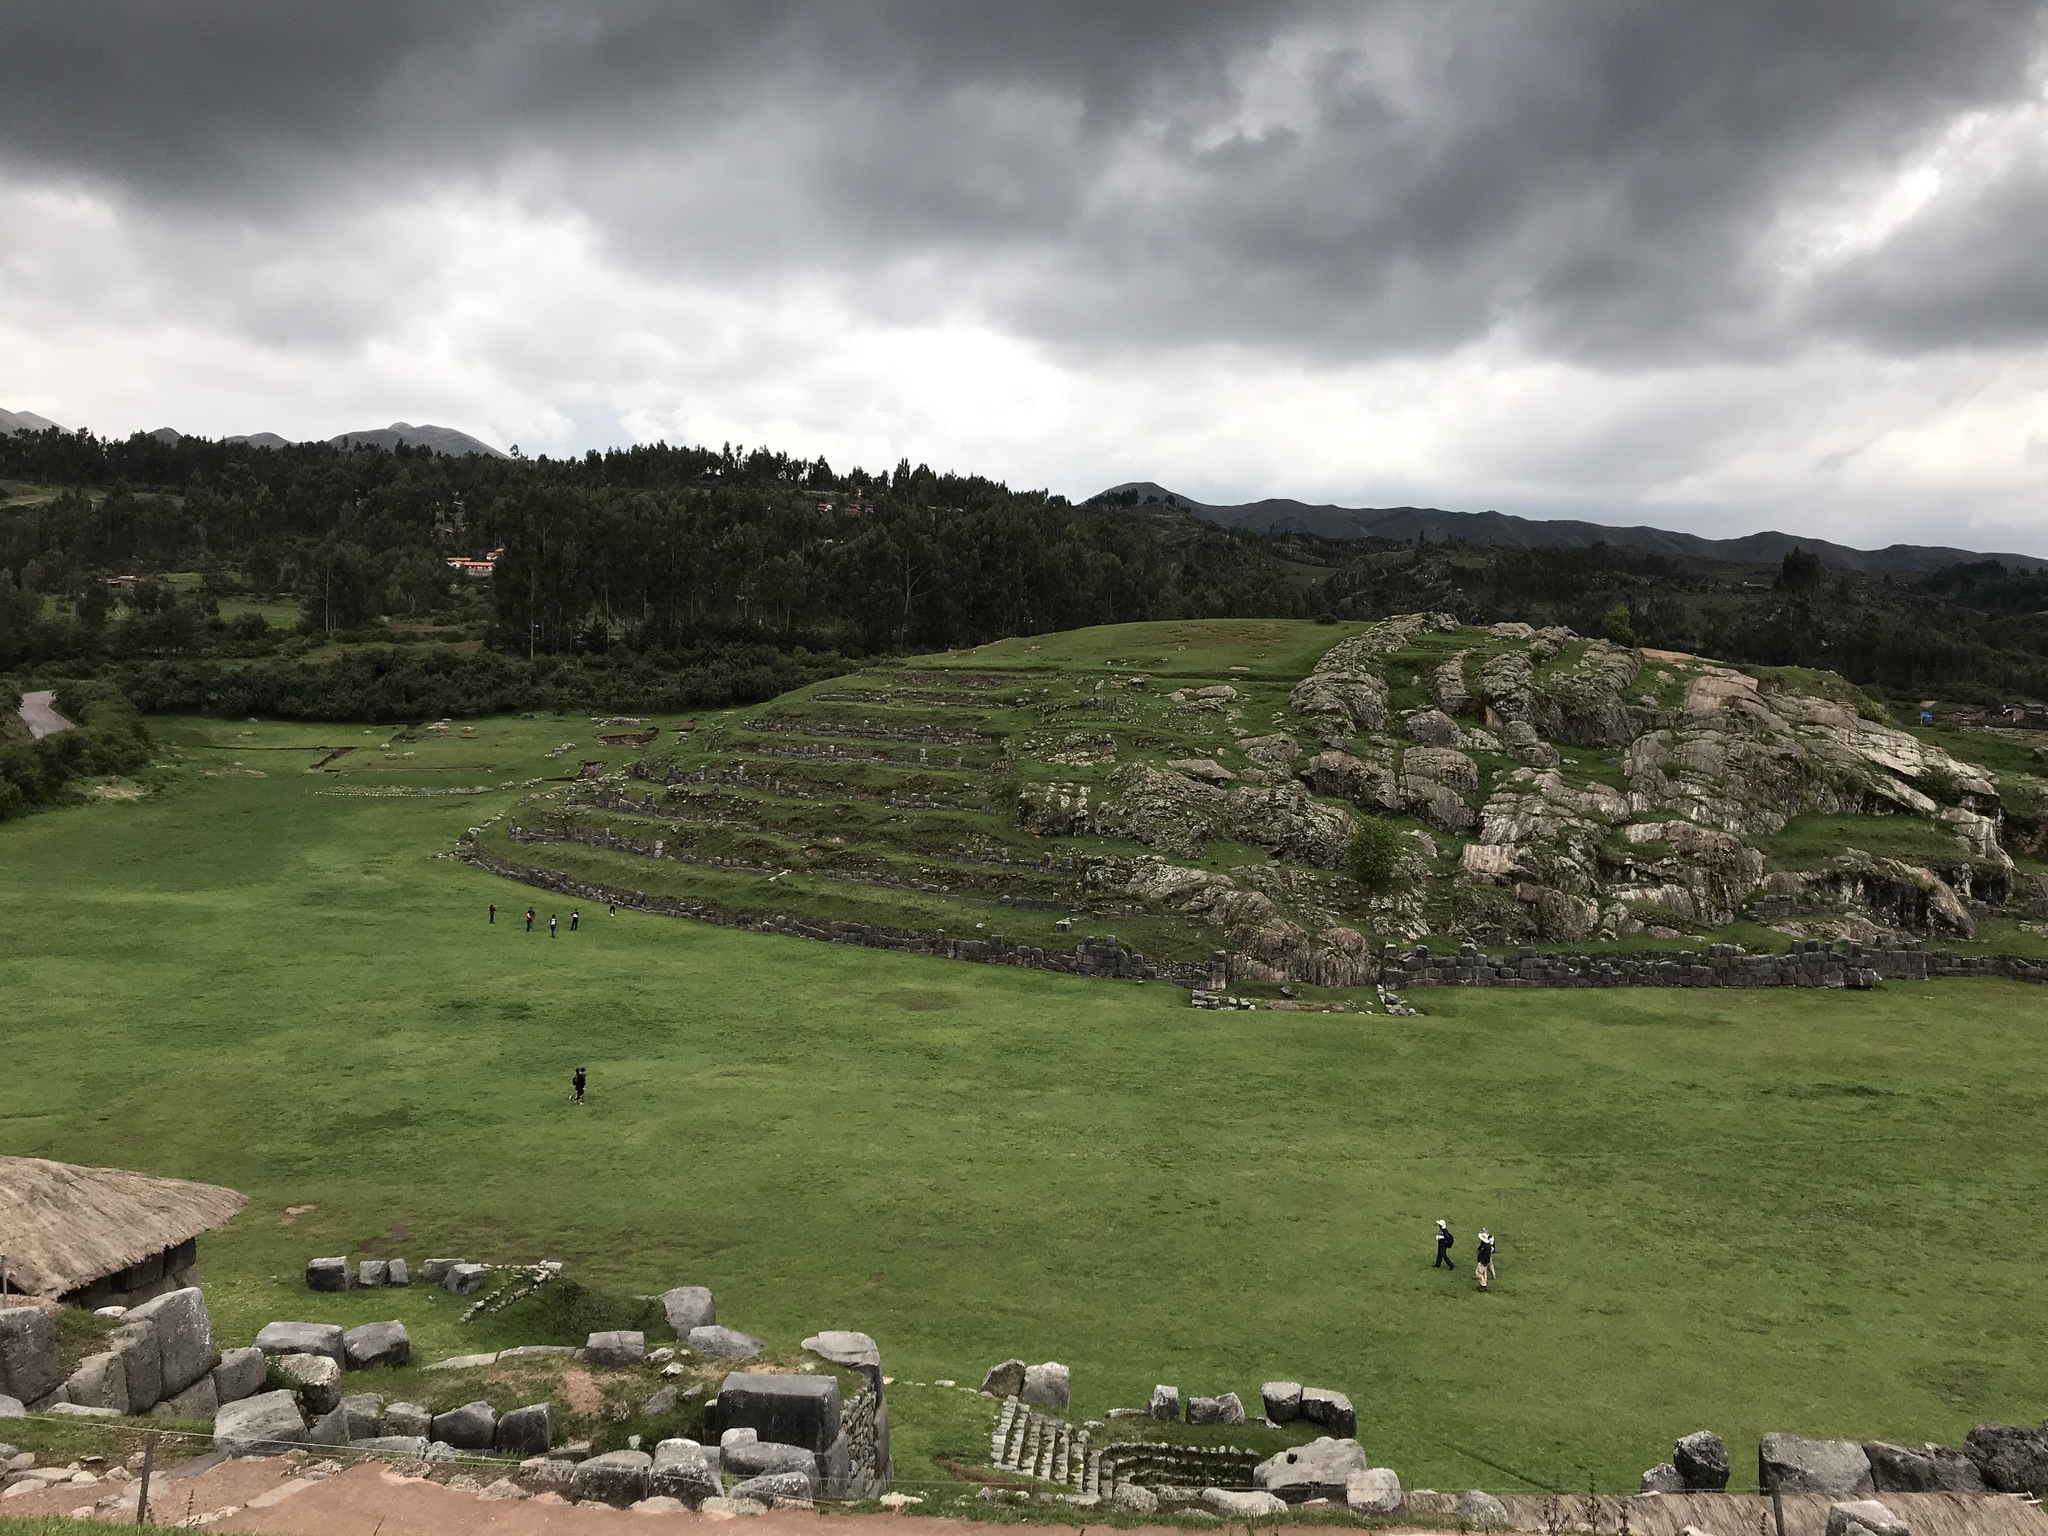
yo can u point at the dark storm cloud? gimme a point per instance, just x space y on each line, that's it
1331 182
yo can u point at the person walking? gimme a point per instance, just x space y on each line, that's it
1483 1271
529 919
575 917
576 1087
551 925
614 911
494 911
1444 1240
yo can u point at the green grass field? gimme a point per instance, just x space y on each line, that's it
1740 1210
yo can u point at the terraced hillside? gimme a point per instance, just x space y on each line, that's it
1203 786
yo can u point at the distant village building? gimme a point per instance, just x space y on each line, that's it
476 569
102 1236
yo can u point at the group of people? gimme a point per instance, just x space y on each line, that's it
1482 1271
575 918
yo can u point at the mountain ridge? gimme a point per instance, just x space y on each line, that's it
1280 514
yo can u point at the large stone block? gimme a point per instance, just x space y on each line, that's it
1047 1386
240 1373
844 1347
302 1339
617 1346
687 1307
1243 1503
1322 1469
1662 1478
472 1427
376 1344
2012 1458
406 1421
776 1488
716 1342
1375 1491
28 1353
184 1336
764 1458
434 1271
259 1425
99 1382
465 1279
330 1428
1216 1410
316 1378
685 1470
1865 1517
1332 1410
1165 1404
1931 1469
365 1412
395 1273
1282 1401
327 1274
1005 1380
198 1401
1477 1507
789 1410
1702 1462
529 1430
617 1478
373 1272
142 1361
1796 1464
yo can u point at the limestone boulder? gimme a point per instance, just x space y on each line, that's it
1431 728
198 1401
845 1347
472 1427
434 1271
327 1274
373 1272
100 1381
2012 1459
1243 1503
528 1431
395 1273
1322 1469
406 1421
1165 1403
1366 782
302 1339
263 1425
1865 1517
1332 1410
714 1341
685 1470
617 1478
465 1279
1797 1464
1277 751
1047 1386
1482 1510
687 1307
330 1428
317 1380
1662 1478
365 1412
370 1345
1375 1491
28 1353
617 1346
240 1374
1930 1469
775 1489
1134 1499
184 1335
765 1458
1282 1401
1701 1459
141 1362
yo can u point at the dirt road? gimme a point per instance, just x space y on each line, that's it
39 717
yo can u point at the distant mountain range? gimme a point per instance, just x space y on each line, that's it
441 439
1282 515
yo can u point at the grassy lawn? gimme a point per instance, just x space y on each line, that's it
1741 1210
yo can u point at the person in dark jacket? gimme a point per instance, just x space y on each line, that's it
1444 1240
1483 1273
576 1086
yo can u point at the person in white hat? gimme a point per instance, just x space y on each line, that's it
1483 1272
1443 1245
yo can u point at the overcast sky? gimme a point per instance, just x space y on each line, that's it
1714 266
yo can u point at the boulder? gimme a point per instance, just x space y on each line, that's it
1796 1464
81 1411
330 1428
662 1402
715 1342
28 1353
1332 1410
395 1273
1134 1499
406 1421
198 1401
1702 1462
505 1488
617 1478
316 1378
685 1470
465 1279
327 1274
259 1426
733 1437
375 1344
412 1447
835 1467
302 1339
1282 1400
687 1307
1931 1469
773 1488
1480 1508
1864 1517
100 1381
616 1346
529 1431
434 1271
764 1458
373 1272
1662 1478
142 1362
1246 1502
1322 1469
844 1347
2012 1459
1375 1491
1205 1410
365 1412
184 1335
796 1410
1166 1403
1047 1386
1005 1380
240 1374
12 1408
472 1427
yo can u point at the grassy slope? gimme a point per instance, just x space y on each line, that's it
1749 1211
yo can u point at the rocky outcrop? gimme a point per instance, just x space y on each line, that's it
1163 810
1901 895
1367 782
1053 810
1697 873
1286 821
1345 693
1438 784
1583 703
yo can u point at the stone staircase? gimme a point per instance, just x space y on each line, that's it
1054 1451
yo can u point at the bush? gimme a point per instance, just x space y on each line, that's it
1374 858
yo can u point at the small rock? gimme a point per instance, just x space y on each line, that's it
776 1488
1865 1517
503 1488
1662 1478
434 1271
405 1447
327 1274
1005 1380
1166 1403
662 1402
619 1346
1480 1508
1134 1499
899 1500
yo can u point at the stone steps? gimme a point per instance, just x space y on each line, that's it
1040 1446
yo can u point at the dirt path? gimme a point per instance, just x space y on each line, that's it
39 717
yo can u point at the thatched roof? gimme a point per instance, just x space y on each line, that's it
62 1226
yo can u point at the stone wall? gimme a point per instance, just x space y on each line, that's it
1810 964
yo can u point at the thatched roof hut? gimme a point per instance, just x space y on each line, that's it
66 1230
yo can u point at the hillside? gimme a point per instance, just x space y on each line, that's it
1202 785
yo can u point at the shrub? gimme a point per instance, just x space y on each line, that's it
1374 858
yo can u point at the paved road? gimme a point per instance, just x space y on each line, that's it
37 715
